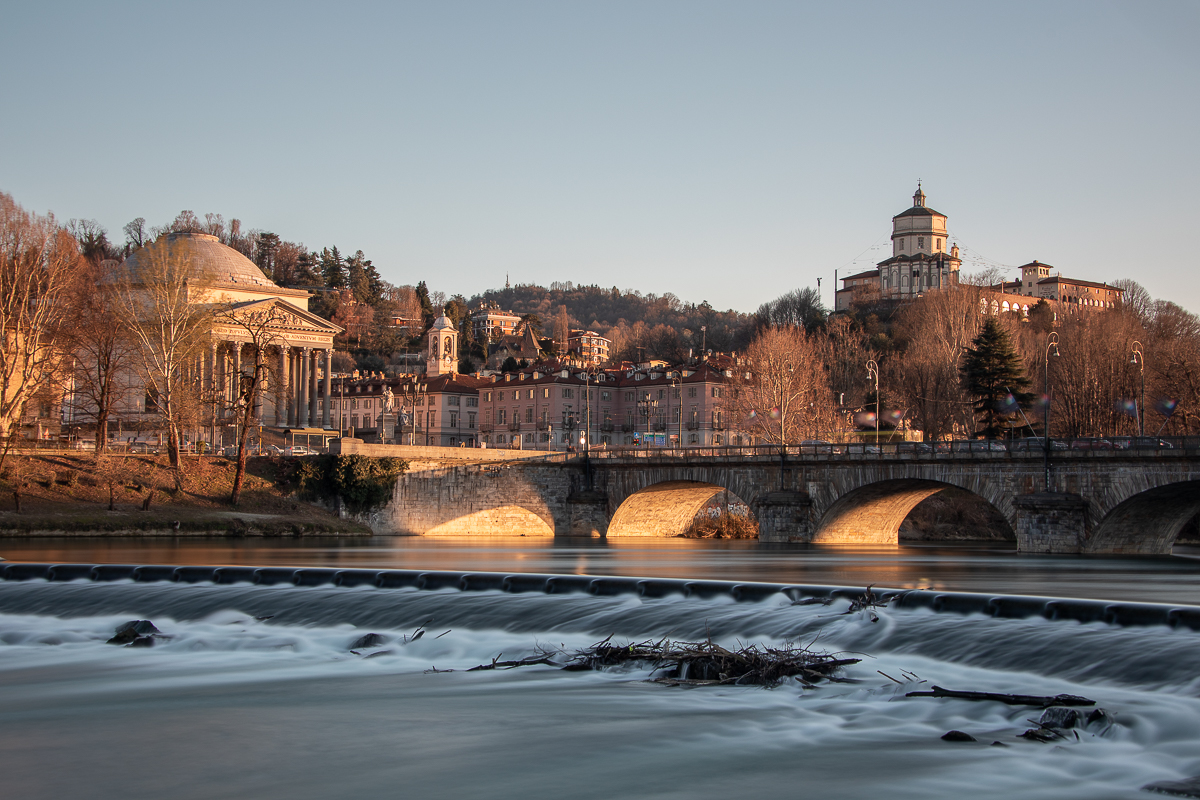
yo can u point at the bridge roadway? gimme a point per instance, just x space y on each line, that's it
1119 501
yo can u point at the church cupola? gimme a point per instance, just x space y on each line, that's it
442 358
919 197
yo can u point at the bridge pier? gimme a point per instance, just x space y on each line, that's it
587 514
784 517
1051 522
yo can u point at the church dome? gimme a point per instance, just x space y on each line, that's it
442 323
224 266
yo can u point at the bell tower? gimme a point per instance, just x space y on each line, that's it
442 356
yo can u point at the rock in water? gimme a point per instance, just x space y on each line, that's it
142 641
958 736
1188 787
1060 717
367 640
128 632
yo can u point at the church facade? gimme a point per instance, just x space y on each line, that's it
922 259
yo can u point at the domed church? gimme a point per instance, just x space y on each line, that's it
299 343
921 259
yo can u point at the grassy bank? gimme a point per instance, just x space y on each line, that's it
59 494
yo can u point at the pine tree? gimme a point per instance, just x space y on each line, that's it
426 305
333 269
992 372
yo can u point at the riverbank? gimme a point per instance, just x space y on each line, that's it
69 495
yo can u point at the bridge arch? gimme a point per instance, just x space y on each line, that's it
1148 522
664 509
872 514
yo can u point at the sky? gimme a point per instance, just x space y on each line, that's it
727 152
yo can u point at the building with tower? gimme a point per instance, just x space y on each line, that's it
922 259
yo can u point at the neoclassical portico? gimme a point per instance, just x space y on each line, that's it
298 348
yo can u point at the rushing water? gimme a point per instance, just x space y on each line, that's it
236 706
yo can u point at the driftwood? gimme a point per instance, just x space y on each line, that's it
1040 701
692 663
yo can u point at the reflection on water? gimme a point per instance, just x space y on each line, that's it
957 567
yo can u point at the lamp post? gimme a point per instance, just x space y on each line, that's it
643 406
677 387
1051 345
873 372
1140 359
783 398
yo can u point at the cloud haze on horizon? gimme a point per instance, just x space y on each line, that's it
726 152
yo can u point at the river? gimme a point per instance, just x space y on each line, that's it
256 692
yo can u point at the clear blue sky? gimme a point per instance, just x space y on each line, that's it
722 151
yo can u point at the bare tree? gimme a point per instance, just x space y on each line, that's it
136 234
259 325
162 300
781 394
103 351
37 259
934 332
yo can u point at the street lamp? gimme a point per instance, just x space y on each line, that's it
677 387
873 372
1051 345
643 406
1140 360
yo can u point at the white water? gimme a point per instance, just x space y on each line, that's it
234 707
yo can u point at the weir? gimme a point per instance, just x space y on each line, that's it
962 603
1099 501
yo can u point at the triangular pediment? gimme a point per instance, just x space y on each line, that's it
287 317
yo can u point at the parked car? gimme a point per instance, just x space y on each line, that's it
229 451
818 446
1091 444
859 448
297 450
914 447
1035 444
1140 443
978 446
143 447
273 450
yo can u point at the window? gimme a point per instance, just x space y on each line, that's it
692 438
629 397
470 419
717 391
472 402
354 421
531 394
487 417
546 392
433 419
920 242
662 393
488 397
568 393
516 394
452 400
529 413
691 391
501 416
606 395
453 419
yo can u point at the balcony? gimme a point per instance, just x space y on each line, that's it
693 425
514 426
543 425
486 427
627 428
660 426
607 427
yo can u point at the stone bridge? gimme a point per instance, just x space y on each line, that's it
1100 502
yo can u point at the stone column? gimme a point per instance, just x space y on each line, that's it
328 388
293 402
302 384
260 390
237 371
784 517
312 389
281 389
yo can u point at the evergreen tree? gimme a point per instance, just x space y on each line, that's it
992 372
426 305
356 277
333 268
